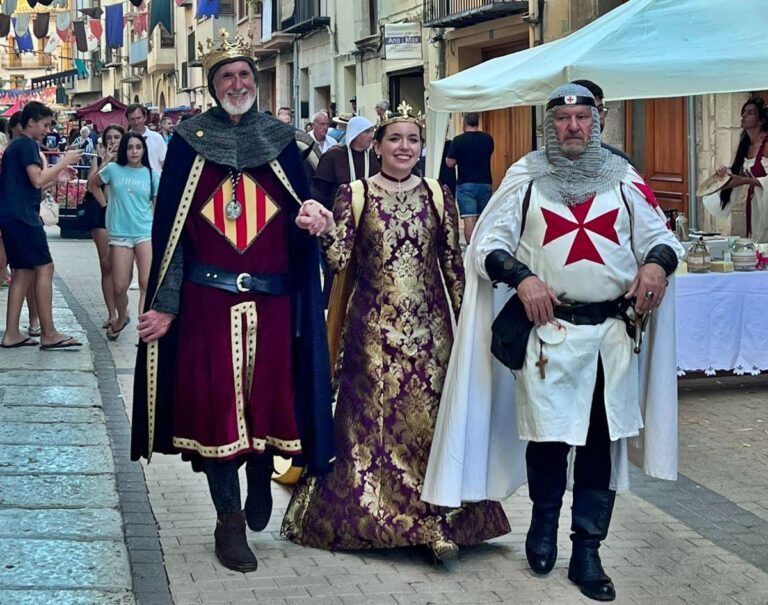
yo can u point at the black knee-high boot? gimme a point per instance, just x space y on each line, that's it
232 548
547 468
592 510
258 503
546 491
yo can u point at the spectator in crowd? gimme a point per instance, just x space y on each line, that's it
308 128
132 191
166 129
97 216
353 104
382 107
602 110
319 133
284 115
137 116
340 126
471 151
22 180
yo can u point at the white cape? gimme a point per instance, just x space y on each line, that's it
476 454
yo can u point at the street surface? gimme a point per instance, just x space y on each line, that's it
79 525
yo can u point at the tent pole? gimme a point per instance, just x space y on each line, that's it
693 215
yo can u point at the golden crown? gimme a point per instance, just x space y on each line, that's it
210 55
403 113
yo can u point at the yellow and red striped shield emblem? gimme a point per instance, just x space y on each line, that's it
258 210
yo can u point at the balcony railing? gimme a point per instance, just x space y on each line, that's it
137 52
14 60
462 13
308 15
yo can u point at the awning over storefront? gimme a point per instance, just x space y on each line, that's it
643 49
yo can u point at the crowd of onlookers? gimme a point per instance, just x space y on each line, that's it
121 170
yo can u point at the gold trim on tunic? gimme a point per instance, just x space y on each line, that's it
153 348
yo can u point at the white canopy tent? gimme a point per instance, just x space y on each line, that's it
643 49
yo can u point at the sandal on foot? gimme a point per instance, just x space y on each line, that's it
114 334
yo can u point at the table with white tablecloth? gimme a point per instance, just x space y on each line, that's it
722 322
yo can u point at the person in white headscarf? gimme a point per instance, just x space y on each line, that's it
346 163
580 237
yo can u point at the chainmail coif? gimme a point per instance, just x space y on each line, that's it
573 182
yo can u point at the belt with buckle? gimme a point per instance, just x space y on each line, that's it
275 284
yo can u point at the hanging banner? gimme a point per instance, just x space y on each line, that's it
21 25
8 7
160 14
207 8
114 26
53 43
63 23
5 26
41 25
402 41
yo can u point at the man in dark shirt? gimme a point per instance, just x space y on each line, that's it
602 110
22 179
471 152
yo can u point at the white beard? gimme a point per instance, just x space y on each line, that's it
238 109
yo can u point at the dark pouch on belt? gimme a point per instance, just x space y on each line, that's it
509 334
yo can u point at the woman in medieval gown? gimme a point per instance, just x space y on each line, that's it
747 189
394 350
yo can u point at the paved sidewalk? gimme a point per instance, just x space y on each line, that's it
701 540
61 528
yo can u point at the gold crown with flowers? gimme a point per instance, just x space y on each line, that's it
403 113
211 54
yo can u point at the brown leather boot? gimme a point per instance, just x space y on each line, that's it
232 548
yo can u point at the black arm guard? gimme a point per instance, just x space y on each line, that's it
662 255
503 267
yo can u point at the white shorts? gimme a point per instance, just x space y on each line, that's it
128 242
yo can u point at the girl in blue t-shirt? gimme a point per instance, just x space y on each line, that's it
132 193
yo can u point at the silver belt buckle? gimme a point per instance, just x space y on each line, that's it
239 282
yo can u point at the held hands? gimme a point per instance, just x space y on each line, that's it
314 218
538 299
154 324
649 287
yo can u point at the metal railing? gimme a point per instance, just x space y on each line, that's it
435 10
14 60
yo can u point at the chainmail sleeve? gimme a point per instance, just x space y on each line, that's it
168 296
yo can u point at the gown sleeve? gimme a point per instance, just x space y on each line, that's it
449 252
337 245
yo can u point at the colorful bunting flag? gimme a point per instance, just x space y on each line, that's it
41 25
114 26
21 25
53 43
207 8
160 14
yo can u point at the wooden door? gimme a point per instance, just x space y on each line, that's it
511 132
661 154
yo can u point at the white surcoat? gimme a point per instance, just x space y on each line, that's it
589 253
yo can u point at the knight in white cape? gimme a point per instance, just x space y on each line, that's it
590 231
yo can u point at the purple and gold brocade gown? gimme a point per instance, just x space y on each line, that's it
394 351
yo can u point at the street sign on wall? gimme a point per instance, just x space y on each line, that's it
402 41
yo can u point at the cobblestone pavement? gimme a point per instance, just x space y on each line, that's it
701 540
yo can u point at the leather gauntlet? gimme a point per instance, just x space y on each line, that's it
661 254
501 266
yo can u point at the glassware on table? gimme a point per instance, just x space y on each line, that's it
744 255
698 257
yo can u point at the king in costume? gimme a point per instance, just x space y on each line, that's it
587 229
242 370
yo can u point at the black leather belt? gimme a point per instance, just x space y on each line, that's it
593 314
275 284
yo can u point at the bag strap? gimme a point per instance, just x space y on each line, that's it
526 205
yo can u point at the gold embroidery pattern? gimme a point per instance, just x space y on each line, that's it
153 347
395 347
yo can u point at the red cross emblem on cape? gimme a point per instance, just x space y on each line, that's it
258 208
582 248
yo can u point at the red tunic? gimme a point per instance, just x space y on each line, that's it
233 389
